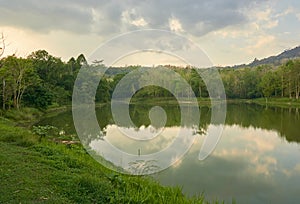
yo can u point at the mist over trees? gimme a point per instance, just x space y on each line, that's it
41 80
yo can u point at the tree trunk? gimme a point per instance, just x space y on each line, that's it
3 94
282 87
15 102
297 92
290 91
200 92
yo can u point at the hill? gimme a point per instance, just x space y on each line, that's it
273 60
278 59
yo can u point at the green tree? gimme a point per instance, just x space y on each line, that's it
38 96
18 74
102 94
268 85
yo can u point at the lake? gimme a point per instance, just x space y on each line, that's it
257 159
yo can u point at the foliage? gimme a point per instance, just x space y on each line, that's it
41 80
38 96
46 130
263 81
17 75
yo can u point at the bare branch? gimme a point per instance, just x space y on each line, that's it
2 48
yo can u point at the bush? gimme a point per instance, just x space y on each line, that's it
46 130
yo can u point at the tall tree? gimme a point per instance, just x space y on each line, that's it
268 85
18 74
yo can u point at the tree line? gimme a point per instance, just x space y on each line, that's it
263 81
40 80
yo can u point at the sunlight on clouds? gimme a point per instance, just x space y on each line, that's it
262 43
230 32
263 15
261 36
175 25
265 19
131 17
139 22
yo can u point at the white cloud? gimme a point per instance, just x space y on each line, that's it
260 44
133 18
139 22
175 25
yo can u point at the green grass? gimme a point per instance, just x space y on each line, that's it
24 116
167 100
275 102
33 171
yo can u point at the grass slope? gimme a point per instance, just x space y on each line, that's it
33 171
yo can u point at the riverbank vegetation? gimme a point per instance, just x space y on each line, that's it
35 170
41 81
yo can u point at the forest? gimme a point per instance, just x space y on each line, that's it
41 80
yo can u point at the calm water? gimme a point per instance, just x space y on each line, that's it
256 161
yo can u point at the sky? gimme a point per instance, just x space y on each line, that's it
228 31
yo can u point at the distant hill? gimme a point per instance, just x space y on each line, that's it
274 60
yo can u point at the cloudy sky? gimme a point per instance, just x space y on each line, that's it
228 31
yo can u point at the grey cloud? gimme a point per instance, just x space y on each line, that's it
212 14
44 16
196 17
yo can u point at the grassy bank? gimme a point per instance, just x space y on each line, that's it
278 102
48 172
167 100
274 102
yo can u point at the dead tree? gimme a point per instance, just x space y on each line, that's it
2 48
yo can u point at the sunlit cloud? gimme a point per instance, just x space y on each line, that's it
228 31
175 25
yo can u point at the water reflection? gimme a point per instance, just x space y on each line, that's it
256 161
251 165
285 121
141 156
